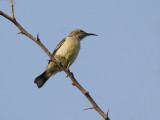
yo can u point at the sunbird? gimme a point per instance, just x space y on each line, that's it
65 52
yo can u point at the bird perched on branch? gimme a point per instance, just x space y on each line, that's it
66 52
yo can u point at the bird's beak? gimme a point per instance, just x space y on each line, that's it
88 34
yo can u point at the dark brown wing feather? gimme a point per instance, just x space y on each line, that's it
58 46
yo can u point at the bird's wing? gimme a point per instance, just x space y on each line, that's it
57 47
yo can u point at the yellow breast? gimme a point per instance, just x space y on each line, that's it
68 52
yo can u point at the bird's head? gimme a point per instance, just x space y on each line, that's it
80 34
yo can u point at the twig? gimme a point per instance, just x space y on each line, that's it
19 33
12 9
88 108
67 71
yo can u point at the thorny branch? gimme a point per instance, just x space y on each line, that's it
66 70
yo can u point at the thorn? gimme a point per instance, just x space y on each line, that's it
86 93
38 37
88 108
107 115
107 112
19 33
72 74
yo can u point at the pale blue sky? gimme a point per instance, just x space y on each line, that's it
120 68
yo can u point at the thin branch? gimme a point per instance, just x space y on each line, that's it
6 16
88 108
66 70
12 9
19 33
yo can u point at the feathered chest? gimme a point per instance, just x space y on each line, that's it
69 49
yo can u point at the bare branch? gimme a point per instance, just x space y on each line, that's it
6 16
52 59
12 9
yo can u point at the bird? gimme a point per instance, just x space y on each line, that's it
65 52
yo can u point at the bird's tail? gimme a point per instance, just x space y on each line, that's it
41 79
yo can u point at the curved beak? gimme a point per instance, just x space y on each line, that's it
88 34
